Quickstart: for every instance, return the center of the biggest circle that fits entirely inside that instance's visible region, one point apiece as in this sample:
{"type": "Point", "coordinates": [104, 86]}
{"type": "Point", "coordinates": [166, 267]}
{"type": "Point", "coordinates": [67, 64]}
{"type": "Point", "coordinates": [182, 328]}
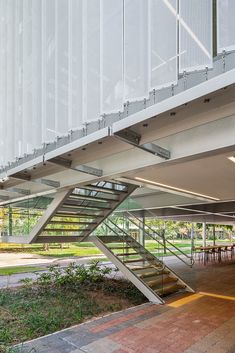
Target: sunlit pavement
{"type": "Point", "coordinates": [203, 322]}
{"type": "Point", "coordinates": [26, 259]}
{"type": "Point", "coordinates": [14, 280]}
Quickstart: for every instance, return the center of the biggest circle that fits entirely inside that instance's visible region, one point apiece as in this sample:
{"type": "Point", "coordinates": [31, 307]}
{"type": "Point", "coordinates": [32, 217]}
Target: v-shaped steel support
{"type": "Point", "coordinates": [48, 214]}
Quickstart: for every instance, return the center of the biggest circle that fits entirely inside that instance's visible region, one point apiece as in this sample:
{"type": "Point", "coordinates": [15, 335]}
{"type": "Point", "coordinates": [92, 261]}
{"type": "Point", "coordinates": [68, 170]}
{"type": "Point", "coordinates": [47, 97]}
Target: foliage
{"type": "Point", "coordinates": [73, 275]}
{"type": "Point", "coordinates": [39, 308]}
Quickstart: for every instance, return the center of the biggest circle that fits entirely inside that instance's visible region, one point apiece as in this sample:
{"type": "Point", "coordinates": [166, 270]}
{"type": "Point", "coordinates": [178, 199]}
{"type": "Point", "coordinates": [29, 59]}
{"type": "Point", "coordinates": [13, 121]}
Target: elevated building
{"type": "Point", "coordinates": [105, 99]}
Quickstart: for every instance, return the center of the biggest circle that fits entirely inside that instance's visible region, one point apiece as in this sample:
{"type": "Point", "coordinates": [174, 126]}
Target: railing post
{"type": "Point", "coordinates": [204, 234]}
{"type": "Point", "coordinates": [164, 238]}
{"type": "Point", "coordinates": [142, 231]}
{"type": "Point", "coordinates": [192, 239]}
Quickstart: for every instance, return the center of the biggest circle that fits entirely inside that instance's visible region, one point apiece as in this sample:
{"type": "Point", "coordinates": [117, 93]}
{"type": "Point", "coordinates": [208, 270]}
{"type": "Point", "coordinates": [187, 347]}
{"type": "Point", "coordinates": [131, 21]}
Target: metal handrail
{"type": "Point", "coordinates": [190, 264]}
{"type": "Point", "coordinates": [116, 233]}
{"type": "Point", "coordinates": [125, 234]}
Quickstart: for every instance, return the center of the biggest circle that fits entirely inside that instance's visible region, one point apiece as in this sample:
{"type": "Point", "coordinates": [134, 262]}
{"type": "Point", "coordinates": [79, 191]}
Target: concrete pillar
{"type": "Point", "coordinates": [10, 232]}
{"type": "Point", "coordinates": [142, 231]}
{"type": "Point", "coordinates": [204, 234]}
{"type": "Point", "coordinates": [164, 238]}
{"type": "Point", "coordinates": [192, 237]}
{"type": "Point", "coordinates": [213, 230]}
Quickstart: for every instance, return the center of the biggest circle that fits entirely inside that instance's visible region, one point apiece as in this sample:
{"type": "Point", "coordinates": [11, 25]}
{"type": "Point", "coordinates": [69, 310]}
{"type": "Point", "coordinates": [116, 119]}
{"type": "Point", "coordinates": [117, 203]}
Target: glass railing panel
{"type": "Point", "coordinates": [18, 218]}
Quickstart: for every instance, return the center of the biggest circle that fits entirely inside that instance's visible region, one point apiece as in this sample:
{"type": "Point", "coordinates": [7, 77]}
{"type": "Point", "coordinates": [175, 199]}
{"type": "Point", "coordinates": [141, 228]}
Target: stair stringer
{"type": "Point", "coordinates": [147, 291]}
{"type": "Point", "coordinates": [58, 200]}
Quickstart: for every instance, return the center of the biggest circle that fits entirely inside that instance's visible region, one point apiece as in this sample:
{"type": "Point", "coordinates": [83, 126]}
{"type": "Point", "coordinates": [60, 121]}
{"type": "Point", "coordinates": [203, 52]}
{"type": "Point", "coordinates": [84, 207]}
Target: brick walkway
{"type": "Point", "coordinates": [203, 322]}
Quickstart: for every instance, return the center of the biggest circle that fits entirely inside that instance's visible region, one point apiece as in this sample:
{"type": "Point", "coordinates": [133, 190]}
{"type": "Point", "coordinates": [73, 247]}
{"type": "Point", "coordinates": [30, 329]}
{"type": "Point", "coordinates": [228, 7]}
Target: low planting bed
{"type": "Point", "coordinates": [61, 298]}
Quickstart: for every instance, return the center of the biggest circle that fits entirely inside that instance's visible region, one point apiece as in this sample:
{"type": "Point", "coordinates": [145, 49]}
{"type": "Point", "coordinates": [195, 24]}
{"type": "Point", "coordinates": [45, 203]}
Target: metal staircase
{"type": "Point", "coordinates": [148, 273]}
{"type": "Point", "coordinates": [74, 214]}
{"type": "Point", "coordinates": [83, 210]}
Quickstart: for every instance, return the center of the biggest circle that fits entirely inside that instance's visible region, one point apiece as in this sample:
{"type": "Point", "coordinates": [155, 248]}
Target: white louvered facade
{"type": "Point", "coordinates": [65, 63]}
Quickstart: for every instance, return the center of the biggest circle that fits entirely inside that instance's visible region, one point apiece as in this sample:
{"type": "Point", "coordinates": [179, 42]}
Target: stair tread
{"type": "Point", "coordinates": [92, 198]}
{"type": "Point", "coordinates": [119, 248]}
{"type": "Point", "coordinates": [64, 230]}
{"type": "Point", "coordinates": [104, 189]}
{"type": "Point", "coordinates": [67, 204]}
{"type": "Point", "coordinates": [134, 260]}
{"type": "Point", "coordinates": [127, 254]}
{"type": "Point", "coordinates": [143, 268]}
{"type": "Point", "coordinates": [71, 223]}
{"type": "Point", "coordinates": [168, 289]}
{"type": "Point", "coordinates": [159, 280]}
{"type": "Point", "coordinates": [156, 272]}
{"type": "Point", "coordinates": [110, 239]}
{"type": "Point", "coordinates": [77, 215]}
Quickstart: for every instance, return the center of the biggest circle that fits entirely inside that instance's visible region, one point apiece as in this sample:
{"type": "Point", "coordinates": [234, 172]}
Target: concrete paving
{"type": "Point", "coordinates": [203, 322]}
{"type": "Point", "coordinates": [34, 260]}
{"type": "Point", "coordinates": [27, 259]}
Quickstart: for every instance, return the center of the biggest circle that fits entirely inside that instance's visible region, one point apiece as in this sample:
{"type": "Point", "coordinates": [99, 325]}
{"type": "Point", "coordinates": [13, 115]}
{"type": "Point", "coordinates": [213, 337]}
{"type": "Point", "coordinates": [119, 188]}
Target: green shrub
{"type": "Point", "coordinates": [73, 275]}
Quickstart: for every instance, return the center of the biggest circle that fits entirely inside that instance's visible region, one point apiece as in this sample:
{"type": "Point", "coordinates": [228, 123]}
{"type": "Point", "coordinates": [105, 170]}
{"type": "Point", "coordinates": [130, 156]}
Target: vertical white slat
{"type": "Point", "coordinates": [136, 51]}
{"type": "Point", "coordinates": [76, 62]}
{"type": "Point", "coordinates": [225, 25]}
{"type": "Point", "coordinates": [50, 69]}
{"type": "Point", "coordinates": [4, 79]}
{"type": "Point", "coordinates": [163, 43]}
{"type": "Point", "coordinates": [27, 77]}
{"type": "Point", "coordinates": [37, 73]}
{"type": "Point", "coordinates": [2, 83]}
{"type": "Point", "coordinates": [18, 121]}
{"type": "Point", "coordinates": [43, 72]}
{"type": "Point", "coordinates": [70, 61]}
{"type": "Point", "coordinates": [10, 92]}
{"type": "Point", "coordinates": [195, 42]}
{"type": "Point", "coordinates": [111, 56]}
{"type": "Point", "coordinates": [62, 67]}
{"type": "Point", "coordinates": [16, 78]}
{"type": "Point", "coordinates": [91, 60]}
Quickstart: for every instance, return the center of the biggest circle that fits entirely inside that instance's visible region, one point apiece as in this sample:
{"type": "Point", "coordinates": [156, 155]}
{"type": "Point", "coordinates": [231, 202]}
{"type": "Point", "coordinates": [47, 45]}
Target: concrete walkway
{"type": "Point", "coordinates": [27, 259]}
{"type": "Point", "coordinates": [36, 261]}
{"type": "Point", "coordinates": [203, 322]}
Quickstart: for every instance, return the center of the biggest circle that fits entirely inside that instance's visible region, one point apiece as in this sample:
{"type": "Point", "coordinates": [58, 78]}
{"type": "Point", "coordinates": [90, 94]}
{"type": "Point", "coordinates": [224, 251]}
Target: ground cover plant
{"type": "Point", "coordinates": [61, 298]}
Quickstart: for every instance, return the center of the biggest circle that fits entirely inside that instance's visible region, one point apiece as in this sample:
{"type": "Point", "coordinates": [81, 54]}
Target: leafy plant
{"type": "Point", "coordinates": [73, 275]}
{"type": "Point", "coordinates": [39, 307]}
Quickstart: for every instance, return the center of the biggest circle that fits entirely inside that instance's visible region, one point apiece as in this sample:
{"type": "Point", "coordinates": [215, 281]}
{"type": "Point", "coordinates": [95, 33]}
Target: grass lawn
{"type": "Point", "coordinates": [31, 312]}
{"type": "Point", "coordinates": [81, 249]}
{"type": "Point", "coordinates": [73, 250]}
{"type": "Point", "coordinates": [7, 271]}
{"type": "Point", "coordinates": [89, 249]}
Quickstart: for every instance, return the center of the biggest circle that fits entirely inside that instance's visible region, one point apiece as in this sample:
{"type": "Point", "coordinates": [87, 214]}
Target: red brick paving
{"type": "Point", "coordinates": [196, 323]}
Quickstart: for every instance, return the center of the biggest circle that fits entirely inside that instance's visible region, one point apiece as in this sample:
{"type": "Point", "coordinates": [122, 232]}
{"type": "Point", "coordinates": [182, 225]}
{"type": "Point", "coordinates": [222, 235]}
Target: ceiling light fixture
{"type": "Point", "coordinates": [177, 189]}
{"type": "Point", "coordinates": [232, 159]}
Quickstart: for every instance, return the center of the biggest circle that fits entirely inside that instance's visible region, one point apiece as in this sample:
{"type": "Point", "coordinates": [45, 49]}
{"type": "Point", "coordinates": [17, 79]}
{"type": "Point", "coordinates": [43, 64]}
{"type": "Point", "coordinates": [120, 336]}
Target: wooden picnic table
{"type": "Point", "coordinates": [215, 249]}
